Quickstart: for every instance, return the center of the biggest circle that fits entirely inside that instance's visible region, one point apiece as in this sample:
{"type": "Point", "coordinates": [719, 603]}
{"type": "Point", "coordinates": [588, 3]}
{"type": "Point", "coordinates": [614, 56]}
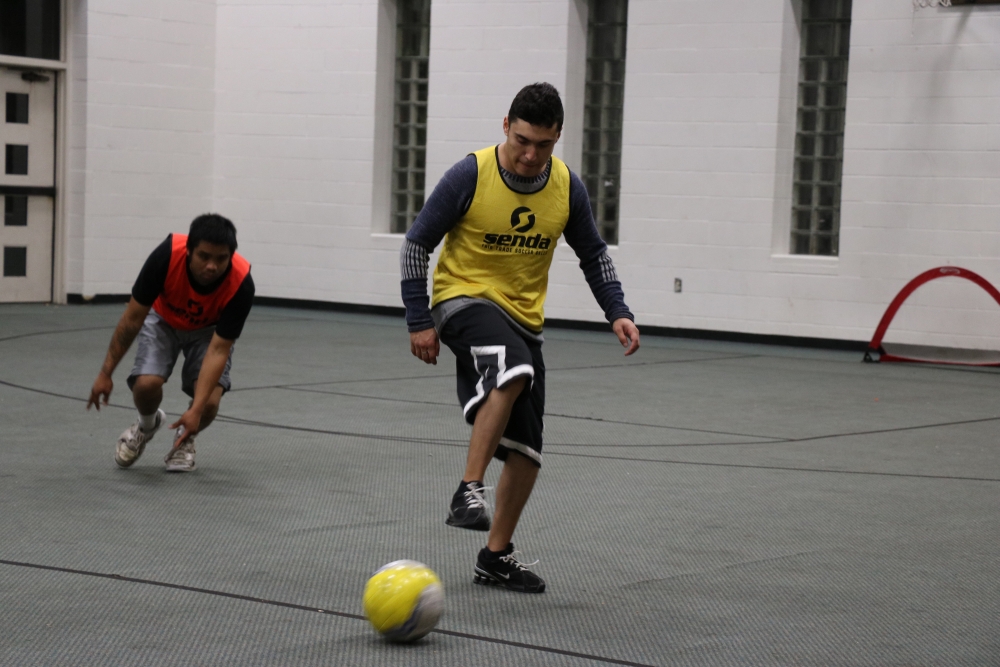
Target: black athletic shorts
{"type": "Point", "coordinates": [489, 353]}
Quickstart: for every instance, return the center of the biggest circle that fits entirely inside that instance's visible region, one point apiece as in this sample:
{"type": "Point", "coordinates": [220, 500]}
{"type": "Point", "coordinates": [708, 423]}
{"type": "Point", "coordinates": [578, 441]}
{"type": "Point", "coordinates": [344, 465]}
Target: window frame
{"type": "Point", "coordinates": [411, 69]}
{"type": "Point", "coordinates": [603, 113]}
{"type": "Point", "coordinates": [817, 170]}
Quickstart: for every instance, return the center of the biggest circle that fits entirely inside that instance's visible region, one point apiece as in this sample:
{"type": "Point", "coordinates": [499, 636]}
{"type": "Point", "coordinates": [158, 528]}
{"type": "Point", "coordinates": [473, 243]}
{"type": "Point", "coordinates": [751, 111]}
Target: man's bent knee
{"type": "Point", "coordinates": [146, 384]}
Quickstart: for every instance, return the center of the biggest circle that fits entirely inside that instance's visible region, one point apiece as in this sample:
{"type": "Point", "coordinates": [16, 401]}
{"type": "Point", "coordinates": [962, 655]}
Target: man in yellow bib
{"type": "Point", "coordinates": [501, 211]}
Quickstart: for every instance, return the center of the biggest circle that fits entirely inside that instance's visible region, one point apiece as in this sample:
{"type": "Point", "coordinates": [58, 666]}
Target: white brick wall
{"type": "Point", "coordinates": [922, 166]}
{"type": "Point", "coordinates": [294, 143]}
{"type": "Point", "coordinates": [141, 133]}
{"type": "Point", "coordinates": [265, 110]}
{"type": "Point", "coordinates": [921, 169]}
{"type": "Point", "coordinates": [75, 200]}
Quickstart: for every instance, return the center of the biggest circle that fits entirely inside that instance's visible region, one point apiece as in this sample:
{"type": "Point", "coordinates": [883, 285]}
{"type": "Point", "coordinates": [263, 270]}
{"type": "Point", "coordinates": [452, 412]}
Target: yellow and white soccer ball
{"type": "Point", "coordinates": [404, 600]}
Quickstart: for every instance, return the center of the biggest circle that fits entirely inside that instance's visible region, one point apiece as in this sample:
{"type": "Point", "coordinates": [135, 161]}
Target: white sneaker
{"type": "Point", "coordinates": [134, 439]}
{"type": "Point", "coordinates": [182, 458]}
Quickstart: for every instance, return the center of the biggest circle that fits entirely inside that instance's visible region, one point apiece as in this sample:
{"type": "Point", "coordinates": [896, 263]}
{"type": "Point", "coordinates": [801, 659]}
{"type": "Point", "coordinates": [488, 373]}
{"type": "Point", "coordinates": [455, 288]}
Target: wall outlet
{"type": "Point", "coordinates": [677, 284]}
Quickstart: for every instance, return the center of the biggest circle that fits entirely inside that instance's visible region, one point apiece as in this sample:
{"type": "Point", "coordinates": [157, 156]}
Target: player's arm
{"type": "Point", "coordinates": [229, 327]}
{"type": "Point", "coordinates": [212, 367]}
{"type": "Point", "coordinates": [581, 234]}
{"type": "Point", "coordinates": [146, 289]}
{"type": "Point", "coordinates": [449, 201]}
{"type": "Point", "coordinates": [126, 331]}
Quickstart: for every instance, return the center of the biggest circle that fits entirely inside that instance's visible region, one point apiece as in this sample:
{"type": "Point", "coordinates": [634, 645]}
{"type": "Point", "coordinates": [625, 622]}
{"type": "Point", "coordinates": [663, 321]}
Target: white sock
{"type": "Point", "coordinates": [147, 422]}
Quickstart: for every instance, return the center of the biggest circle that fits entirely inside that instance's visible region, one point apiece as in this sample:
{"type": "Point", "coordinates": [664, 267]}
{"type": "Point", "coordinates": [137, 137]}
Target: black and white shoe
{"type": "Point", "coordinates": [469, 508]}
{"type": "Point", "coordinates": [505, 570]}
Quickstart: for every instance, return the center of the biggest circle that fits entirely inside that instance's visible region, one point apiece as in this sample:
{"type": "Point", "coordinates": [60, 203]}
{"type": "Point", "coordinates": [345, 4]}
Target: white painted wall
{"type": "Point", "coordinates": [267, 111]}
{"type": "Point", "coordinates": [75, 123]}
{"type": "Point", "coordinates": [922, 167]}
{"type": "Point", "coordinates": [140, 134]}
{"type": "Point", "coordinates": [708, 133]}
{"type": "Point", "coordinates": [294, 147]}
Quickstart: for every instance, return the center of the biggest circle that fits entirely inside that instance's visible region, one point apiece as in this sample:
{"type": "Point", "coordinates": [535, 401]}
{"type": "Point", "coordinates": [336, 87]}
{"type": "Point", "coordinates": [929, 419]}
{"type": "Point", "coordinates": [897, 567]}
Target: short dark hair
{"type": "Point", "coordinates": [538, 104]}
{"type": "Point", "coordinates": [213, 228]}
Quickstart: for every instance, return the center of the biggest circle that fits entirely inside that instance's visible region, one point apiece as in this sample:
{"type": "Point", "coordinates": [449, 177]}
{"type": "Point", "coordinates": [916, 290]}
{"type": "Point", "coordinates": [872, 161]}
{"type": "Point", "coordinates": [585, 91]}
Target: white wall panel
{"type": "Point", "coordinates": [141, 134]}
{"type": "Point", "coordinates": [265, 110]}
{"type": "Point", "coordinates": [922, 155]}
{"type": "Point", "coordinates": [295, 106]}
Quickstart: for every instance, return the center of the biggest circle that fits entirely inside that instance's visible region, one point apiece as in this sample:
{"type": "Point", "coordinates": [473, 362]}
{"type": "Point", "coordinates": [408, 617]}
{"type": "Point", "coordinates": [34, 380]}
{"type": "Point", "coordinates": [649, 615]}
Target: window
{"type": "Point", "coordinates": [30, 28]}
{"type": "Point", "coordinates": [17, 108]}
{"type": "Point", "coordinates": [604, 96]}
{"type": "Point", "coordinates": [15, 211]}
{"type": "Point", "coordinates": [819, 139]}
{"type": "Point", "coordinates": [413, 35]}
{"type": "Point", "coordinates": [15, 261]}
{"type": "Point", "coordinates": [16, 159]}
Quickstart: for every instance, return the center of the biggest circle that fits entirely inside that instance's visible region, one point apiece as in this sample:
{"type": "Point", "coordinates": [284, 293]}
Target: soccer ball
{"type": "Point", "coordinates": [404, 600]}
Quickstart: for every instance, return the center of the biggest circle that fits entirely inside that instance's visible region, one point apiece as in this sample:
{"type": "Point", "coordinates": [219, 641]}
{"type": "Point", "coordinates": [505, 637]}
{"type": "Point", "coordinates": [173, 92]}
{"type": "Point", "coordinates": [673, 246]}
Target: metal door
{"type": "Point", "coordinates": [27, 183]}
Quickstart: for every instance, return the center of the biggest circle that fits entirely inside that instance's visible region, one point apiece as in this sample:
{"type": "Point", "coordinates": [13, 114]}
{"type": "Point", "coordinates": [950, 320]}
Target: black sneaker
{"type": "Point", "coordinates": [505, 570]}
{"type": "Point", "coordinates": [469, 508]}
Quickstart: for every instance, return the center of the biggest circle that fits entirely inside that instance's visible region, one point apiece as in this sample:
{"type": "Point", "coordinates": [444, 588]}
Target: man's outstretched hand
{"type": "Point", "coordinates": [628, 334]}
{"type": "Point", "coordinates": [191, 421]}
{"type": "Point", "coordinates": [101, 391]}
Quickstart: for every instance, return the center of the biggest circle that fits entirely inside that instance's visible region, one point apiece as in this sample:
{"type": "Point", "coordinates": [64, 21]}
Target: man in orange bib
{"type": "Point", "coordinates": [192, 295]}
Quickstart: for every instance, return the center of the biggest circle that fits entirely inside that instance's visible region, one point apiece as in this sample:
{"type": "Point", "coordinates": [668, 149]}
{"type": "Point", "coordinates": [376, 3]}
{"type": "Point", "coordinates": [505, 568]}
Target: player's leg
{"type": "Point", "coordinates": [493, 365]}
{"type": "Point", "coordinates": [521, 449]}
{"type": "Point", "coordinates": [516, 483]}
{"type": "Point", "coordinates": [156, 352]}
{"type": "Point", "coordinates": [195, 345]}
{"type": "Point", "coordinates": [487, 429]}
{"type": "Point", "coordinates": [147, 393]}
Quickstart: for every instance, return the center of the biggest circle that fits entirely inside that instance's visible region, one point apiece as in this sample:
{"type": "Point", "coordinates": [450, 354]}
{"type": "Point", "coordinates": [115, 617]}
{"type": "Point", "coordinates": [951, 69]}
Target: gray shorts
{"type": "Point", "coordinates": [159, 345]}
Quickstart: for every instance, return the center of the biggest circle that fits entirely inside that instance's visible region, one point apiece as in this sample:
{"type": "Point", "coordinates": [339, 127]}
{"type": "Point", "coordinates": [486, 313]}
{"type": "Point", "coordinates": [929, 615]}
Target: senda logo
{"type": "Point", "coordinates": [517, 241]}
{"type": "Point", "coordinates": [515, 219]}
{"type": "Point", "coordinates": [521, 220]}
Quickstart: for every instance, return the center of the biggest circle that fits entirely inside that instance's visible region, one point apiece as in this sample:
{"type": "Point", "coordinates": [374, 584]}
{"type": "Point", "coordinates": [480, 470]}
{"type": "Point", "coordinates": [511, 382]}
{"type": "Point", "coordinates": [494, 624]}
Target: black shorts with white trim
{"type": "Point", "coordinates": [490, 353]}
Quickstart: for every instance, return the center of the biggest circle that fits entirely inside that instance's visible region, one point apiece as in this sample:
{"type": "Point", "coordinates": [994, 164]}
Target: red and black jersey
{"type": "Point", "coordinates": [165, 284]}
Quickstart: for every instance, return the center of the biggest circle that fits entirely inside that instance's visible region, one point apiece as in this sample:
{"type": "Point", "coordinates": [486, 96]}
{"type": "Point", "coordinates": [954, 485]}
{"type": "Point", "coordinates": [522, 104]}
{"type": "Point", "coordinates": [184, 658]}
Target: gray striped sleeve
{"type": "Point", "coordinates": [608, 272]}
{"type": "Point", "coordinates": [414, 260]}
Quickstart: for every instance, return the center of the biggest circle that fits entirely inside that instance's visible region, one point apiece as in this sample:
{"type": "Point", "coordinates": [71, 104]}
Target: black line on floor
{"type": "Point", "coordinates": [347, 434]}
{"type": "Point", "coordinates": [874, 473]}
{"type": "Point", "coordinates": [768, 439]}
{"type": "Point", "coordinates": [765, 438]}
{"type": "Point", "coordinates": [51, 393]}
{"type": "Point", "coordinates": [661, 362]}
{"type": "Point", "coordinates": [315, 610]}
{"type": "Point", "coordinates": [320, 384]}
{"type": "Point", "coordinates": [896, 429]}
{"type": "Point", "coordinates": [661, 445]}
{"type": "Point", "coordinates": [296, 385]}
{"type": "Point", "coordinates": [462, 443]}
{"type": "Point", "coordinates": [449, 404]}
{"type": "Point", "coordinates": [56, 331]}
{"type": "Point", "coordinates": [266, 319]}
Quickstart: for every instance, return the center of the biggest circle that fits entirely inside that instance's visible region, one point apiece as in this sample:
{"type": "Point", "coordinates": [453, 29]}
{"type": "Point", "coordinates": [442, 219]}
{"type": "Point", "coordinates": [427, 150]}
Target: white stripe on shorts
{"type": "Point", "coordinates": [503, 375]}
{"type": "Point", "coordinates": [524, 449]}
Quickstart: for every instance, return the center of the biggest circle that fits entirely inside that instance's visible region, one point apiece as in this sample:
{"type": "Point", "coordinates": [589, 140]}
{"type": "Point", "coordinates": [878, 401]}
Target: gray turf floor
{"type": "Point", "coordinates": [701, 503]}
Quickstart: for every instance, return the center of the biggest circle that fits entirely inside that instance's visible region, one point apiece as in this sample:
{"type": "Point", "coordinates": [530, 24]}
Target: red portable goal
{"type": "Point", "coordinates": [931, 355]}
